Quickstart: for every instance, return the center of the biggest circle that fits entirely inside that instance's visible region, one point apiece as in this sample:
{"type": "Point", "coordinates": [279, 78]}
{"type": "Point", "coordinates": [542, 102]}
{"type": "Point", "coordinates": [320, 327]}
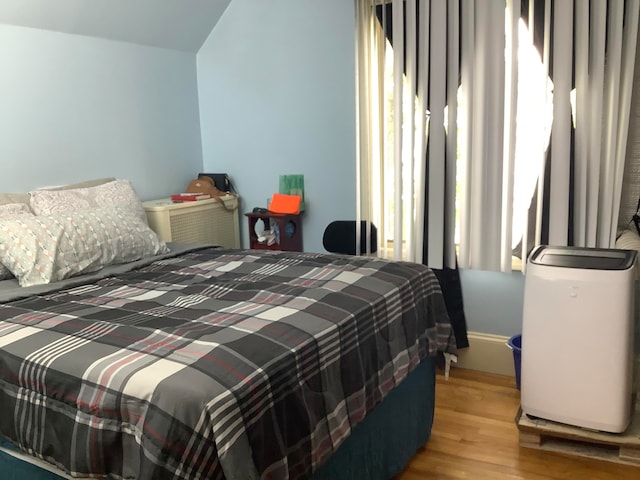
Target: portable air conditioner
{"type": "Point", "coordinates": [577, 337]}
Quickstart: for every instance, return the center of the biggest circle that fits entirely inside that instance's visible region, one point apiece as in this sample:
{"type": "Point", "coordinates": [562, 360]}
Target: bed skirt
{"type": "Point", "coordinates": [377, 449]}
{"type": "Point", "coordinates": [381, 446]}
{"type": "Point", "coordinates": [12, 468]}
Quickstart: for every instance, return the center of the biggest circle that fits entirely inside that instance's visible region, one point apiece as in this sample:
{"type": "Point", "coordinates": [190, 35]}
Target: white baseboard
{"type": "Point", "coordinates": [487, 353]}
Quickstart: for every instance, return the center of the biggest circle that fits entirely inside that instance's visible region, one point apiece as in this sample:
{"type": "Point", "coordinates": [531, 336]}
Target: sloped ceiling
{"type": "Point", "coordinates": [175, 24]}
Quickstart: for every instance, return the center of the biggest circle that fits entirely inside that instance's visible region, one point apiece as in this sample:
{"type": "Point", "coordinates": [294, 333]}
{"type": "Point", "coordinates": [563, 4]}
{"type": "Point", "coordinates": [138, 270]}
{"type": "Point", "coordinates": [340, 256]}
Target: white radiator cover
{"type": "Point", "coordinates": [201, 221]}
{"type": "Point", "coordinates": [577, 340]}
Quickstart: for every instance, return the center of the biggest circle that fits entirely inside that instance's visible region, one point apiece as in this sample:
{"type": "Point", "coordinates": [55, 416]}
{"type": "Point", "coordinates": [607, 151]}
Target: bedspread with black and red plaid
{"type": "Point", "coordinates": [214, 363]}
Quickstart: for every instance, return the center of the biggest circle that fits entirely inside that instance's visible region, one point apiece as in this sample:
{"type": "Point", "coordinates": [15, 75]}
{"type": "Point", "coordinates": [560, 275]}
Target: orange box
{"type": "Point", "coordinates": [281, 203]}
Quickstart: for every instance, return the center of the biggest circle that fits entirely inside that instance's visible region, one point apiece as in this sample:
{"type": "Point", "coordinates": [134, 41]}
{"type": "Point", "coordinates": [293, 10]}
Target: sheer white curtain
{"type": "Point", "coordinates": [422, 166]}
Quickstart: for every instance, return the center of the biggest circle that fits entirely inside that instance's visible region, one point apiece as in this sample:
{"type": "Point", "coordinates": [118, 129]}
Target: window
{"type": "Point", "coordinates": [533, 131]}
{"type": "Point", "coordinates": [535, 109]}
{"type": "Point", "coordinates": [430, 178]}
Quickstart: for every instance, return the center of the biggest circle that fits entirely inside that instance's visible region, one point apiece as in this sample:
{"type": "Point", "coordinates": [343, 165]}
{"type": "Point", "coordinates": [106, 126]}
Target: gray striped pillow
{"type": "Point", "coordinates": [46, 248]}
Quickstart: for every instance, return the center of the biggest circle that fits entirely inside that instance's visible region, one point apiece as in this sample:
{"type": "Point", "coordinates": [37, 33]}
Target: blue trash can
{"type": "Point", "coordinates": [515, 344]}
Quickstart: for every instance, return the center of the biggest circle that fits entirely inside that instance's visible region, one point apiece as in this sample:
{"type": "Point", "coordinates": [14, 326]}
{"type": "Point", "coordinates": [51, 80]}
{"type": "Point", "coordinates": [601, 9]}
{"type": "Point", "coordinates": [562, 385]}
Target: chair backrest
{"type": "Point", "coordinates": [340, 237]}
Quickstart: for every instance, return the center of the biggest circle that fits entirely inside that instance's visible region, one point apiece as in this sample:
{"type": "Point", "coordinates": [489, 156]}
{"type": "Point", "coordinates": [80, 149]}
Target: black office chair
{"type": "Point", "coordinates": [340, 237]}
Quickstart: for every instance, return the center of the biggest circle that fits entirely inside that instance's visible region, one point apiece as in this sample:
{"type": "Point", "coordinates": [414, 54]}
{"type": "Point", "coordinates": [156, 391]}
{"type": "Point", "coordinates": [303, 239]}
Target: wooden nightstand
{"type": "Point", "coordinates": [289, 231]}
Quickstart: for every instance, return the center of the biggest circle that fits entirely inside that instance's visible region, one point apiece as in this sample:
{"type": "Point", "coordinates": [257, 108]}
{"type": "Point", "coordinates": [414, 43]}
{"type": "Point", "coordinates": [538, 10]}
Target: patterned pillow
{"type": "Point", "coordinates": [47, 248]}
{"type": "Point", "coordinates": [24, 197]}
{"type": "Point", "coordinates": [13, 210]}
{"type": "Point", "coordinates": [8, 211]}
{"type": "Point", "coordinates": [118, 192]}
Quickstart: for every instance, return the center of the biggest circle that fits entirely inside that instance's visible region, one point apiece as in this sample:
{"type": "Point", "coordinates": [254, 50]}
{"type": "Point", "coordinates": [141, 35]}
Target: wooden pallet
{"type": "Point", "coordinates": [557, 437]}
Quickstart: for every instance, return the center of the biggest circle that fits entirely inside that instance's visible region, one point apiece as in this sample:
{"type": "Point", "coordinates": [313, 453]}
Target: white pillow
{"type": "Point", "coordinates": [8, 211]}
{"type": "Point", "coordinates": [47, 248]}
{"type": "Point", "coordinates": [12, 210]}
{"type": "Point", "coordinates": [118, 192]}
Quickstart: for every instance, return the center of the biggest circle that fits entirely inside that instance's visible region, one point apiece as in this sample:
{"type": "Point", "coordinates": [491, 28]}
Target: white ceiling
{"type": "Point", "coordinates": [175, 24]}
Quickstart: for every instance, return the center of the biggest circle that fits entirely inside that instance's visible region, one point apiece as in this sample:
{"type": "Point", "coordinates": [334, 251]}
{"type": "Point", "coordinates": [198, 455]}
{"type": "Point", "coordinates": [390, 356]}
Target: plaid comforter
{"type": "Point", "coordinates": [213, 364]}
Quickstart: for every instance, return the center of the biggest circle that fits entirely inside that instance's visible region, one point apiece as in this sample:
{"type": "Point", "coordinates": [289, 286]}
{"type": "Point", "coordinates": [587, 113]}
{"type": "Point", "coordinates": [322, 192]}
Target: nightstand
{"type": "Point", "coordinates": [289, 228]}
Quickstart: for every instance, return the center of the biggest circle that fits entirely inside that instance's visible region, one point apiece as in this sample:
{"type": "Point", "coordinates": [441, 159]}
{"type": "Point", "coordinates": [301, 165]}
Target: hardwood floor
{"type": "Point", "coordinates": [474, 436]}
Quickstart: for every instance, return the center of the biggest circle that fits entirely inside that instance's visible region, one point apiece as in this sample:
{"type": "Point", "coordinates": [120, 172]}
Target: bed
{"type": "Point", "coordinates": [199, 362]}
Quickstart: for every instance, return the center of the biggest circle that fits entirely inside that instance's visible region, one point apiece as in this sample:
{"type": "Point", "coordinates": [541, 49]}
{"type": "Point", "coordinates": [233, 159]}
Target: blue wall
{"type": "Point", "coordinates": [493, 301]}
{"type": "Point", "coordinates": [75, 107]}
{"type": "Point", "coordinates": [277, 96]}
